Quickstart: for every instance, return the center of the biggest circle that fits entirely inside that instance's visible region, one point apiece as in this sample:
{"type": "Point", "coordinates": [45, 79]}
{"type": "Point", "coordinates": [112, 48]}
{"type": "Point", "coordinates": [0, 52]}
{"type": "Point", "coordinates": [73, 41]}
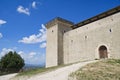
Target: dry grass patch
{"type": "Point", "coordinates": [102, 70]}
{"type": "Point", "coordinates": [30, 73]}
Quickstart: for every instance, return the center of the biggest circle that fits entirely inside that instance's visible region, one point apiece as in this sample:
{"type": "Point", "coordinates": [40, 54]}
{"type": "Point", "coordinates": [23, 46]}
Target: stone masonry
{"type": "Point", "coordinates": [94, 38]}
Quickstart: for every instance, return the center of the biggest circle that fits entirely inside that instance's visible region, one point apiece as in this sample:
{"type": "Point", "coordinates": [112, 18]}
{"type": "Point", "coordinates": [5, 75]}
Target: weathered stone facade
{"type": "Point", "coordinates": [95, 38]}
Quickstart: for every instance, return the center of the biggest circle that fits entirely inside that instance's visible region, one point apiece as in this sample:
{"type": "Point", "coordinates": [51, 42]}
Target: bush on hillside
{"type": "Point", "coordinates": [11, 62]}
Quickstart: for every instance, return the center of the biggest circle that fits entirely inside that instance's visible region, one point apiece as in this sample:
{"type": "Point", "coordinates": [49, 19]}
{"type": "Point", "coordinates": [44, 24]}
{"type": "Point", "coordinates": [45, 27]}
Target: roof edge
{"type": "Point", "coordinates": [97, 17]}
{"type": "Point", "coordinates": [56, 20]}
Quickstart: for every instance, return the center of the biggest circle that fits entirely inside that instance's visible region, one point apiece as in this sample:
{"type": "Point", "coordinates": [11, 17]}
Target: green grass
{"type": "Point", "coordinates": [33, 72]}
{"type": "Point", "coordinates": [38, 71]}
{"type": "Point", "coordinates": [102, 70]}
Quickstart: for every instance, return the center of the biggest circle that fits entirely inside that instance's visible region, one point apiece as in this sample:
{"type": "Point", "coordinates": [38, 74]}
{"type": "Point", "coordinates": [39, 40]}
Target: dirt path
{"type": "Point", "coordinates": [60, 74]}
{"type": "Point", "coordinates": [7, 77]}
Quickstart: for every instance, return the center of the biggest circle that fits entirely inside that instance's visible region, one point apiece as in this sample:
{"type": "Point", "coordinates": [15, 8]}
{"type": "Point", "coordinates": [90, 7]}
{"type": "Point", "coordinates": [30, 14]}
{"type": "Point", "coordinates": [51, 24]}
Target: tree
{"type": "Point", "coordinates": [11, 62]}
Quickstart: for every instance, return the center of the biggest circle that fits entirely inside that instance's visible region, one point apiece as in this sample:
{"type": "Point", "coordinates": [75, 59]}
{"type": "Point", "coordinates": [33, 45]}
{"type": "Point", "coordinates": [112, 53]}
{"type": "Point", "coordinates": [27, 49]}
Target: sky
{"type": "Point", "coordinates": [22, 23]}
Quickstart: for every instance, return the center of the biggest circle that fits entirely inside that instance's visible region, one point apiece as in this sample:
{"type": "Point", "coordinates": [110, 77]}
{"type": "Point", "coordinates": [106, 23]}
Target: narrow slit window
{"type": "Point", "coordinates": [71, 41]}
{"type": "Point", "coordinates": [110, 30]}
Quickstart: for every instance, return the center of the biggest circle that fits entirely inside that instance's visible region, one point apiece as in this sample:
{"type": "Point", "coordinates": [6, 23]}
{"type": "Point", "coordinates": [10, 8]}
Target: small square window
{"type": "Point", "coordinates": [85, 37]}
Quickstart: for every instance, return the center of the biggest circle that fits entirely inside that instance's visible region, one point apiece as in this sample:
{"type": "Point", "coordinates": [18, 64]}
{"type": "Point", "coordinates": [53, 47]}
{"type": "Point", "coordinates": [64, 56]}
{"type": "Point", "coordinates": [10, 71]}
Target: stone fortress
{"type": "Point", "coordinates": [94, 38]}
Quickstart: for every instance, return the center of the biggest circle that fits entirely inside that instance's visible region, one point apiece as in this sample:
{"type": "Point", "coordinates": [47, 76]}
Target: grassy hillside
{"type": "Point", "coordinates": [35, 71]}
{"type": "Point", "coordinates": [102, 70]}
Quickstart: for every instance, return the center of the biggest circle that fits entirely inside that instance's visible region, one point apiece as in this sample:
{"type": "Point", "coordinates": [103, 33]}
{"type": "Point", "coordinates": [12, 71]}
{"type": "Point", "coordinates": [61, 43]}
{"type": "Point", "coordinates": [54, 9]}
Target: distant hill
{"type": "Point", "coordinates": [32, 66]}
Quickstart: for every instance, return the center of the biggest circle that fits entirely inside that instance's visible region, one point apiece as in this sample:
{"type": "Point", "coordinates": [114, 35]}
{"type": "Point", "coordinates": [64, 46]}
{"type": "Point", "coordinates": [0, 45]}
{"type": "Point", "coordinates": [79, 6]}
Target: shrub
{"type": "Point", "coordinates": [11, 62]}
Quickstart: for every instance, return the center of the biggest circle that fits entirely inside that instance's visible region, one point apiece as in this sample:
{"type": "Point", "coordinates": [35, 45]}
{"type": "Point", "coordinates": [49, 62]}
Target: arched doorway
{"type": "Point", "coordinates": [103, 52]}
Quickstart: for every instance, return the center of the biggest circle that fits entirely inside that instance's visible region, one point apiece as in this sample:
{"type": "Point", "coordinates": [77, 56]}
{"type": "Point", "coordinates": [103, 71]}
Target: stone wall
{"type": "Point", "coordinates": [69, 43]}
{"type": "Point", "coordinates": [82, 43]}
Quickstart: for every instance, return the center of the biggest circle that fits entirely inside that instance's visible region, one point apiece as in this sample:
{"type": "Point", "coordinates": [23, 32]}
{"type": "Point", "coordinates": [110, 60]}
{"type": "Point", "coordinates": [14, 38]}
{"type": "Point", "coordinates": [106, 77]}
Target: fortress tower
{"type": "Point", "coordinates": [94, 38]}
{"type": "Point", "coordinates": [55, 31]}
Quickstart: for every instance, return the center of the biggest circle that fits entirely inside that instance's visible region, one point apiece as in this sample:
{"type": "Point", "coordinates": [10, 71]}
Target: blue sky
{"type": "Point", "coordinates": [22, 22]}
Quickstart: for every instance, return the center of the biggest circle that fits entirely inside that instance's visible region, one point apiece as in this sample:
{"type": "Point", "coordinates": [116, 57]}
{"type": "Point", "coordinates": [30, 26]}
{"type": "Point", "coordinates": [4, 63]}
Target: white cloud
{"type": "Point", "coordinates": [33, 57]}
{"type": "Point", "coordinates": [32, 54]}
{"type": "Point", "coordinates": [27, 56]}
{"type": "Point", "coordinates": [43, 45]}
{"type": "Point", "coordinates": [30, 58]}
{"type": "Point", "coordinates": [1, 35]}
{"type": "Point", "coordinates": [20, 53]}
{"type": "Point", "coordinates": [39, 38]}
{"type": "Point", "coordinates": [5, 51]}
{"type": "Point", "coordinates": [33, 4]}
{"type": "Point", "coordinates": [21, 9]}
{"type": "Point", "coordinates": [2, 22]}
